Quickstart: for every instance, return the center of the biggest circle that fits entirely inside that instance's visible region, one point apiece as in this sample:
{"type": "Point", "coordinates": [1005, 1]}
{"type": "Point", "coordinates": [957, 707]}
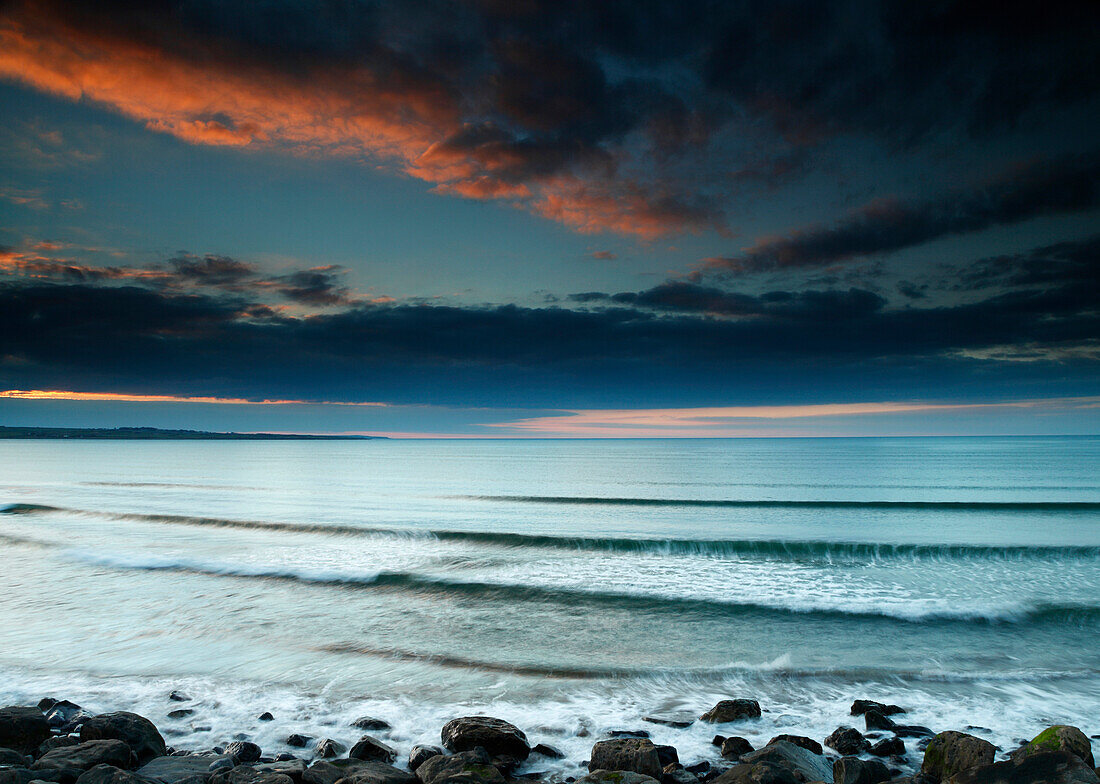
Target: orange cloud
{"type": "Point", "coordinates": [203, 94]}
{"type": "Point", "coordinates": [720, 421]}
{"type": "Point", "coordinates": [123, 397]}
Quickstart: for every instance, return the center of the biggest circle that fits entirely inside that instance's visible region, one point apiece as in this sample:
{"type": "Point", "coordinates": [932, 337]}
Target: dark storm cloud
{"type": "Point", "coordinates": [150, 340]}
{"type": "Point", "coordinates": [606, 115]}
{"type": "Point", "coordinates": [1063, 264]}
{"type": "Point", "coordinates": [211, 270]}
{"type": "Point", "coordinates": [691, 298]}
{"type": "Point", "coordinates": [1065, 185]}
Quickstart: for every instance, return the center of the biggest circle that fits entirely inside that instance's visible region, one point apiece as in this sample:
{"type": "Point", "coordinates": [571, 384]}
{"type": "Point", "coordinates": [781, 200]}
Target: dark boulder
{"type": "Point", "coordinates": [370, 749]}
{"type": "Point", "coordinates": [862, 706]}
{"type": "Point", "coordinates": [330, 748]}
{"type": "Point", "coordinates": [496, 736]}
{"type": "Point", "coordinates": [377, 773]}
{"type": "Point", "coordinates": [698, 768]}
{"type": "Point", "coordinates": [800, 761]}
{"type": "Point", "coordinates": [953, 752]}
{"type": "Point", "coordinates": [676, 774]}
{"type": "Point", "coordinates": [243, 751]}
{"type": "Point", "coordinates": [246, 775]}
{"type": "Point", "coordinates": [295, 768]}
{"type": "Point", "coordinates": [87, 755]}
{"type": "Point", "coordinates": [853, 770]}
{"type": "Point", "coordinates": [179, 696]}
{"type": "Point", "coordinates": [298, 741]}
{"type": "Point", "coordinates": [847, 741]}
{"type": "Point", "coordinates": [465, 767]}
{"type": "Point", "coordinates": [758, 773]}
{"type": "Point", "coordinates": [65, 715]}
{"type": "Point", "coordinates": [635, 754]}
{"type": "Point", "coordinates": [330, 771]}
{"type": "Point", "coordinates": [1060, 737]}
{"type": "Point", "coordinates": [371, 724]}
{"type": "Point", "coordinates": [421, 754]}
{"type": "Point", "coordinates": [107, 774]}
{"type": "Point", "coordinates": [627, 733]}
{"type": "Point", "coordinates": [22, 728]}
{"type": "Point", "coordinates": [734, 748]}
{"type": "Point", "coordinates": [26, 775]}
{"type": "Point", "coordinates": [878, 721]}
{"type": "Point", "coordinates": [56, 742]}
{"type": "Point", "coordinates": [548, 751]}
{"type": "Point", "coordinates": [135, 731]}
{"type": "Point", "coordinates": [799, 740]}
{"type": "Point", "coordinates": [670, 721]}
{"type": "Point", "coordinates": [172, 770]}
{"type": "Point", "coordinates": [266, 716]}
{"type": "Point", "coordinates": [888, 747]}
{"type": "Point", "coordinates": [616, 777]}
{"type": "Point", "coordinates": [732, 710]}
{"type": "Point", "coordinates": [12, 758]}
{"type": "Point", "coordinates": [1051, 767]}
{"type": "Point", "coordinates": [667, 755]}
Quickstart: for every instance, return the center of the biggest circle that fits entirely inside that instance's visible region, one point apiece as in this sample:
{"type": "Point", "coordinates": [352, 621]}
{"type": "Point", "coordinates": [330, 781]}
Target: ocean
{"type": "Point", "coordinates": [568, 586]}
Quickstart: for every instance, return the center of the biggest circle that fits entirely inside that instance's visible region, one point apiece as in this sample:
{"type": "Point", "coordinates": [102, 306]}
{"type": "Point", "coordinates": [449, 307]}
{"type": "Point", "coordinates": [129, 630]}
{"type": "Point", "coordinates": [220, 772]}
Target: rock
{"type": "Point", "coordinates": [698, 768]}
{"type": "Point", "coordinates": [732, 710]}
{"type": "Point", "coordinates": [370, 723]}
{"type": "Point", "coordinates": [734, 748]}
{"type": "Point", "coordinates": [421, 754]}
{"type": "Point", "coordinates": [106, 774]}
{"type": "Point", "coordinates": [667, 755]}
{"type": "Point", "coordinates": [13, 758]}
{"type": "Point", "coordinates": [757, 773]}
{"type": "Point", "coordinates": [800, 761]}
{"type": "Point", "coordinates": [298, 741]}
{"type": "Point", "coordinates": [912, 731]}
{"type": "Point", "coordinates": [1051, 767]}
{"type": "Point", "coordinates": [847, 741]}
{"type": "Point", "coordinates": [330, 748]}
{"type": "Point", "coordinates": [877, 721]}
{"type": "Point", "coordinates": [266, 716]}
{"type": "Point", "coordinates": [56, 742]}
{"type": "Point", "coordinates": [220, 764]}
{"type": "Point", "coordinates": [179, 696]}
{"type": "Point", "coordinates": [670, 721]}
{"type": "Point", "coordinates": [26, 775]}
{"type": "Point", "coordinates": [634, 754]}
{"type": "Point", "coordinates": [368, 748]}
{"type": "Point", "coordinates": [325, 772]}
{"type": "Point", "coordinates": [853, 770]}
{"type": "Point", "coordinates": [718, 740]}
{"type": "Point", "coordinates": [135, 731]}
{"type": "Point", "coordinates": [675, 774]}
{"type": "Point", "coordinates": [171, 770]}
{"type": "Point", "coordinates": [243, 751]}
{"type": "Point", "coordinates": [284, 756]}
{"type": "Point", "coordinates": [627, 733]}
{"type": "Point", "coordinates": [953, 752]}
{"type": "Point", "coordinates": [616, 777]}
{"type": "Point", "coordinates": [377, 773]}
{"type": "Point", "coordinates": [87, 755]}
{"type": "Point", "coordinates": [22, 728]}
{"type": "Point", "coordinates": [496, 736]}
{"type": "Point", "coordinates": [65, 714]}
{"type": "Point", "coordinates": [465, 767]}
{"type": "Point", "coordinates": [1060, 737]}
{"type": "Point", "coordinates": [799, 740]}
{"type": "Point", "coordinates": [246, 775]}
{"type": "Point", "coordinates": [294, 768]}
{"type": "Point", "coordinates": [548, 751]}
{"type": "Point", "coordinates": [181, 713]}
{"type": "Point", "coordinates": [862, 706]}
{"type": "Point", "coordinates": [888, 747]}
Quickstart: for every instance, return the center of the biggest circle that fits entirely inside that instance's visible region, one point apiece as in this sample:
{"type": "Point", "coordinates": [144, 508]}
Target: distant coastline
{"type": "Point", "coordinates": [158, 434]}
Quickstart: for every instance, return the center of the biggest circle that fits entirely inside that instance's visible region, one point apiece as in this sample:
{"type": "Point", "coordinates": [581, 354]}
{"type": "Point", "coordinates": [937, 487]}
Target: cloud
{"type": "Point", "coordinates": [123, 397]}
{"type": "Point", "coordinates": [692, 298]}
{"type": "Point", "coordinates": [1049, 187]}
{"type": "Point", "coordinates": [1074, 263]}
{"type": "Point", "coordinates": [602, 255]}
{"type": "Point", "coordinates": [722, 421]}
{"type": "Point", "coordinates": [605, 115]}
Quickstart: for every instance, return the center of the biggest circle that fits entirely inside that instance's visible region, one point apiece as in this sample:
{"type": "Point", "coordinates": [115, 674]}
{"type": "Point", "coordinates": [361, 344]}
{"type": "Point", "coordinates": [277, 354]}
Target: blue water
{"type": "Point", "coordinates": [560, 584]}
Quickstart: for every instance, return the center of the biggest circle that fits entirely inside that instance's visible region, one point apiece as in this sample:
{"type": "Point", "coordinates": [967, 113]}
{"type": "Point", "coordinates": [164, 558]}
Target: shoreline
{"type": "Point", "coordinates": [873, 742]}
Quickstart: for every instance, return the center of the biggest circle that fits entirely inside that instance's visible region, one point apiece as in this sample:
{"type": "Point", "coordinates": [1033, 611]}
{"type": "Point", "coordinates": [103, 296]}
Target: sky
{"type": "Point", "coordinates": [570, 218]}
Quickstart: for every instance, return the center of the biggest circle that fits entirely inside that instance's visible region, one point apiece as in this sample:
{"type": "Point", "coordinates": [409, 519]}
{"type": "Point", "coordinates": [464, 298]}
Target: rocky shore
{"type": "Point", "coordinates": [58, 742]}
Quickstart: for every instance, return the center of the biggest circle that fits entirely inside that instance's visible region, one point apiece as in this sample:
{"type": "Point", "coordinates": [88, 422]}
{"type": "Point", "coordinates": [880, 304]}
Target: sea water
{"type": "Point", "coordinates": [569, 586]}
